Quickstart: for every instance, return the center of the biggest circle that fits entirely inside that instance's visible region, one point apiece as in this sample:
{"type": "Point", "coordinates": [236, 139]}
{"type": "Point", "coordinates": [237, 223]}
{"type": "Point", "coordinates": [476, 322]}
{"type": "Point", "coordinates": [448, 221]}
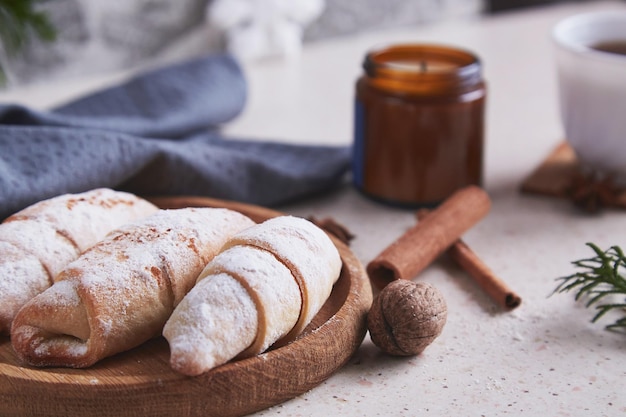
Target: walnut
{"type": "Point", "coordinates": [406, 317]}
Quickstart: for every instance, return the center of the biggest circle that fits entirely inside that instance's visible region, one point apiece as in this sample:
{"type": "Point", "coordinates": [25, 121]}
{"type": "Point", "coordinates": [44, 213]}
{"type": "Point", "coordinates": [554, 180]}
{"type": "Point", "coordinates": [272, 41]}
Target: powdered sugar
{"type": "Point", "coordinates": [216, 321]}
{"type": "Point", "coordinates": [130, 281]}
{"type": "Point", "coordinates": [23, 277]}
{"type": "Point", "coordinates": [278, 264]}
{"type": "Point", "coordinates": [40, 239]}
{"type": "Point", "coordinates": [54, 232]}
{"type": "Point", "coordinates": [70, 347]}
{"type": "Point", "coordinates": [86, 218]}
{"type": "Point", "coordinates": [271, 285]}
{"type": "Point", "coordinates": [306, 250]}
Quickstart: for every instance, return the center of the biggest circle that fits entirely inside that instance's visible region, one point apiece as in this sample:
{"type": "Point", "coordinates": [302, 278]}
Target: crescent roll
{"type": "Point", "coordinates": [120, 292]}
{"type": "Point", "coordinates": [265, 286]}
{"type": "Point", "coordinates": [39, 241]}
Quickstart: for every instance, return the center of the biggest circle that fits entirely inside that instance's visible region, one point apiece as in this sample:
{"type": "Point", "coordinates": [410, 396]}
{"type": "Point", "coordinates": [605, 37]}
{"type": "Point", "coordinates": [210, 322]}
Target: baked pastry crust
{"type": "Point", "coordinates": [120, 292]}
{"type": "Point", "coordinates": [37, 242]}
{"type": "Point", "coordinates": [286, 266]}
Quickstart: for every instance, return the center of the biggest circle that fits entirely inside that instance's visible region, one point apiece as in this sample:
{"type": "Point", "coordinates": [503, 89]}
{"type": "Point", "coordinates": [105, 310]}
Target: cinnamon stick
{"type": "Point", "coordinates": [497, 289]}
{"type": "Point", "coordinates": [420, 245]}
{"type": "Point", "coordinates": [484, 277]}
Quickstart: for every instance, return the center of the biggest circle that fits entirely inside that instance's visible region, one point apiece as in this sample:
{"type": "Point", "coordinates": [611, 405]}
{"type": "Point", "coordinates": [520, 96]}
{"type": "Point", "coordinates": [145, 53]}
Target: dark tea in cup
{"type": "Point", "coordinates": [614, 47]}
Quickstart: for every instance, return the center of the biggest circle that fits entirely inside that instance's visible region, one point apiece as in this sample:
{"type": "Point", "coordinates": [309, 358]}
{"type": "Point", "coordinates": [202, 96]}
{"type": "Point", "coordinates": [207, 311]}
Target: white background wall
{"type": "Point", "coordinates": [96, 36]}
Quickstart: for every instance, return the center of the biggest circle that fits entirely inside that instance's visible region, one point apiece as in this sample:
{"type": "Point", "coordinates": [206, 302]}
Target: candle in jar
{"type": "Point", "coordinates": [418, 124]}
{"type": "Point", "coordinates": [423, 65]}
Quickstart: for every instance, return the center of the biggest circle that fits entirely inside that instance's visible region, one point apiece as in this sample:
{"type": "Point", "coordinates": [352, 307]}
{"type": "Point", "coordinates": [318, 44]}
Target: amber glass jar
{"type": "Point", "coordinates": [419, 122]}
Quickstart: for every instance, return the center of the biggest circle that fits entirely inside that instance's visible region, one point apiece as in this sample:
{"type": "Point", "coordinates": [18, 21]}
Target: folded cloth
{"type": "Point", "coordinates": [157, 134]}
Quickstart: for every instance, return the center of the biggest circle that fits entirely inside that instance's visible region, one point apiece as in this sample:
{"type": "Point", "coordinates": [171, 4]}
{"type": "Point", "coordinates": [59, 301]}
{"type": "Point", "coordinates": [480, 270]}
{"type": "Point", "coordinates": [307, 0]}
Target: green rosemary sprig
{"type": "Point", "coordinates": [599, 277]}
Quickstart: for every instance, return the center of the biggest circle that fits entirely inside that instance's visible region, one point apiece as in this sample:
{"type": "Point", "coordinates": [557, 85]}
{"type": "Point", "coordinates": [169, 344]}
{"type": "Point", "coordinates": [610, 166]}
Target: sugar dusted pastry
{"type": "Point", "coordinates": [120, 292]}
{"type": "Point", "coordinates": [265, 286]}
{"type": "Point", "coordinates": [39, 241]}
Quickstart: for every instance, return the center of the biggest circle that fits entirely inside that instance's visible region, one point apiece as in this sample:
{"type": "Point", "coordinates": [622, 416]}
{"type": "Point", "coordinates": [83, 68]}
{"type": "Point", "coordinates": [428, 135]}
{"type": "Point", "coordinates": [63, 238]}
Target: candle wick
{"type": "Point", "coordinates": [423, 65]}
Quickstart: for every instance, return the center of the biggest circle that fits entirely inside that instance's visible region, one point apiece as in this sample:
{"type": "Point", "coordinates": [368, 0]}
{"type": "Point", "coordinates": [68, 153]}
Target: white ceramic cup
{"type": "Point", "coordinates": [592, 87]}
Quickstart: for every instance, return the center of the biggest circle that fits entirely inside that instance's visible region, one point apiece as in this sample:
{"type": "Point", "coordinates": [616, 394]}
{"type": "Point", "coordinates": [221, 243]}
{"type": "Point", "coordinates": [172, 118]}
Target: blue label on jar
{"type": "Point", "coordinates": [358, 147]}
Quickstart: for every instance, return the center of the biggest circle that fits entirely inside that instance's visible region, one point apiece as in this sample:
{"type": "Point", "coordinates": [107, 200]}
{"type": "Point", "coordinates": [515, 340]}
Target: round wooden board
{"type": "Point", "coordinates": [140, 382]}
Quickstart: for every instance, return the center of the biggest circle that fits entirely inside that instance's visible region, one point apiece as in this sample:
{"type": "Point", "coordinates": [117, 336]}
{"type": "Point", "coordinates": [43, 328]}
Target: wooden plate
{"type": "Point", "coordinates": [140, 382]}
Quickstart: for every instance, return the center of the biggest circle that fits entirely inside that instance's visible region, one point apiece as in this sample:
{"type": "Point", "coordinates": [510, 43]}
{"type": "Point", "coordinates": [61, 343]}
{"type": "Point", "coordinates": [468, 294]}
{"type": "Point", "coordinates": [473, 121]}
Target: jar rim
{"type": "Point", "coordinates": [401, 60]}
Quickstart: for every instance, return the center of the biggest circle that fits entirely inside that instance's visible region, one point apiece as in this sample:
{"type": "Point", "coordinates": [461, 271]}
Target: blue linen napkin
{"type": "Point", "coordinates": [157, 134]}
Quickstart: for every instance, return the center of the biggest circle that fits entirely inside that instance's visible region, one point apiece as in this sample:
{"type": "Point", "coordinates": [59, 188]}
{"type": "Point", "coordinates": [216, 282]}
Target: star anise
{"type": "Point", "coordinates": [593, 193]}
{"type": "Point", "coordinates": [333, 227]}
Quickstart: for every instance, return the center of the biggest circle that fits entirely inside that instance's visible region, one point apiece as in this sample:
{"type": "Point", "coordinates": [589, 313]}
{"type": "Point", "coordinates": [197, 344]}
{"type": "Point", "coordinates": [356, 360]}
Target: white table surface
{"type": "Point", "coordinates": [544, 358]}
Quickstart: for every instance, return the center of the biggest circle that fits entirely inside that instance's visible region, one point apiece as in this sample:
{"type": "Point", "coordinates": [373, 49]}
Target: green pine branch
{"type": "Point", "coordinates": [599, 280]}
{"type": "Point", "coordinates": [20, 23]}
